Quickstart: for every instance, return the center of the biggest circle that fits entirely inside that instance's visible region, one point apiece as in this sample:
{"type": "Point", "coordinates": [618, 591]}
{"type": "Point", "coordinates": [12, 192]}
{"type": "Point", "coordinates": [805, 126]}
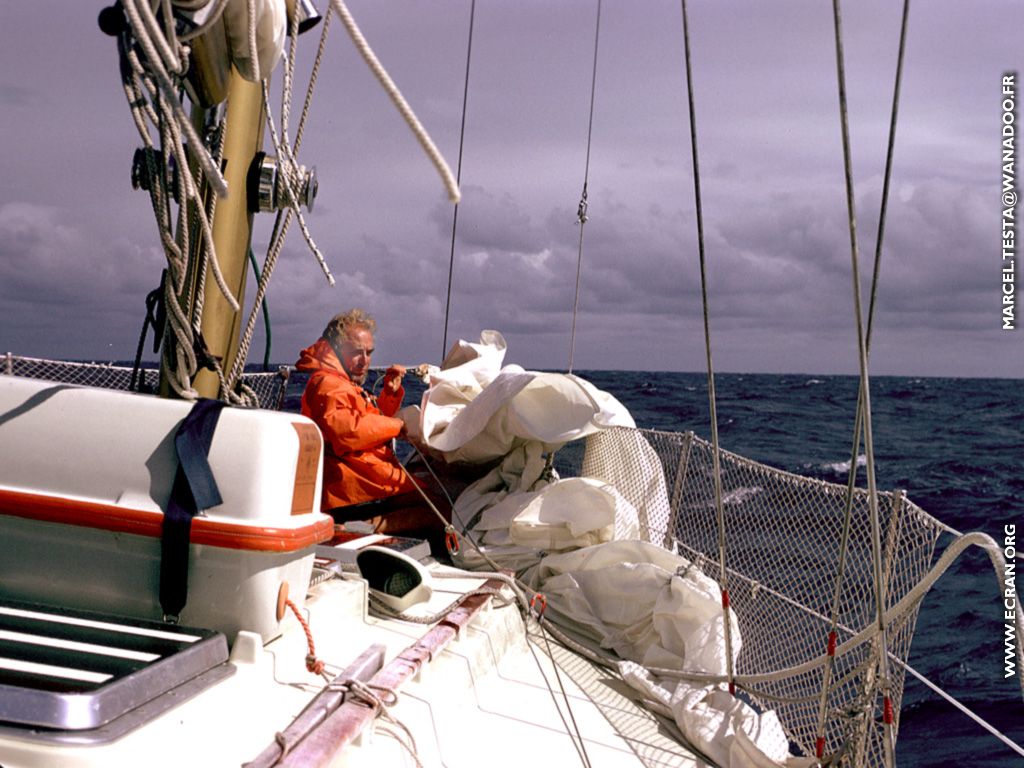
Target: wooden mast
{"type": "Point", "coordinates": [232, 228]}
{"type": "Point", "coordinates": [212, 80]}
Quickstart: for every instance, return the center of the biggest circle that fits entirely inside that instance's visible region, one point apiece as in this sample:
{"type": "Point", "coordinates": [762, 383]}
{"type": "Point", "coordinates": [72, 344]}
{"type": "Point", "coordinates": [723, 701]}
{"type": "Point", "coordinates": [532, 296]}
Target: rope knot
{"type": "Point", "coordinates": [377, 697]}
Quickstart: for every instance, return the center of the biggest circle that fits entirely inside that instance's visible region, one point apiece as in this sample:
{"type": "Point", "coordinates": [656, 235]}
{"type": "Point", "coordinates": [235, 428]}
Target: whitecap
{"type": "Point", "coordinates": [740, 495]}
{"type": "Point", "coordinates": [844, 466]}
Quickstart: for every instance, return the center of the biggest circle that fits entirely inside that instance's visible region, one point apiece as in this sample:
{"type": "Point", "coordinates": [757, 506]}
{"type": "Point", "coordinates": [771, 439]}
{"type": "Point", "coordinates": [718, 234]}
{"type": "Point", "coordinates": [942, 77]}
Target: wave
{"type": "Point", "coordinates": [740, 495]}
{"type": "Point", "coordinates": [840, 467]}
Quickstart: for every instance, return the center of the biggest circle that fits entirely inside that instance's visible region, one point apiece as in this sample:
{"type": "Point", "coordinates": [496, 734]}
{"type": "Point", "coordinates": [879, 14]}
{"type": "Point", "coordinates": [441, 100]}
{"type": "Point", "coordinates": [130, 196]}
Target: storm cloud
{"type": "Point", "coordinates": [79, 250]}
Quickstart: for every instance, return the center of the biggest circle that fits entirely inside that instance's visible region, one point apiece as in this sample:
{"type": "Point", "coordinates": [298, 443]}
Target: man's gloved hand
{"type": "Point", "coordinates": [393, 378]}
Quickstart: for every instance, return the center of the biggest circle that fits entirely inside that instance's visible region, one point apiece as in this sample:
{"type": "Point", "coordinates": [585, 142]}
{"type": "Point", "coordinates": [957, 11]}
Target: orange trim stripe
{"type": "Point", "coordinates": [205, 530]}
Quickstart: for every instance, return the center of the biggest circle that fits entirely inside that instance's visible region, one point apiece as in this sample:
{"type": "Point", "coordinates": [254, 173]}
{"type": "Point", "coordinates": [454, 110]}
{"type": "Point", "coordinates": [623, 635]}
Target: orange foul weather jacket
{"type": "Point", "coordinates": [359, 464]}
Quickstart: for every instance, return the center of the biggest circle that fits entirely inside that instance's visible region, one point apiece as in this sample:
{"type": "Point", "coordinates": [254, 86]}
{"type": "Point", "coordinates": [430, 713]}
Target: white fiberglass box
{"type": "Point", "coordinates": [85, 478]}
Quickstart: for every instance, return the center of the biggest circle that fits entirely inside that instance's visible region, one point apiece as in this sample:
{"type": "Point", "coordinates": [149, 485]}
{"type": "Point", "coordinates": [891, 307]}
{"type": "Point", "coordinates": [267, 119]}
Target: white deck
{"type": "Point", "coordinates": [484, 699]}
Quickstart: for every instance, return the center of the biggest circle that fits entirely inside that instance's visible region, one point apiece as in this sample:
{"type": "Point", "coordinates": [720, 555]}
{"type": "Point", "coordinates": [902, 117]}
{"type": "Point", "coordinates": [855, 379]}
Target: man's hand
{"type": "Point", "coordinates": [393, 378]}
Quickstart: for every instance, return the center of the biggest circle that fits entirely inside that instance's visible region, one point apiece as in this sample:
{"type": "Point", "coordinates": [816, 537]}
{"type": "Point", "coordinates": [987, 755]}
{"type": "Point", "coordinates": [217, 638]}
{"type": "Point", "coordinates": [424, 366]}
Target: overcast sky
{"type": "Point", "coordinates": [79, 250]}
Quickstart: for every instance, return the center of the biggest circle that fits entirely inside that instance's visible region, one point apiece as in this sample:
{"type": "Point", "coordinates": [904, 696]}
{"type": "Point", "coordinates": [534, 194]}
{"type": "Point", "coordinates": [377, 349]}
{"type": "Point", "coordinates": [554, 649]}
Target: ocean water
{"type": "Point", "coordinates": [954, 445]}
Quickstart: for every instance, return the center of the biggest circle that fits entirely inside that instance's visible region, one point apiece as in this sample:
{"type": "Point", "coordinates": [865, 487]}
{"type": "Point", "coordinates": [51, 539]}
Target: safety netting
{"type": "Point", "coordinates": [269, 387]}
{"type": "Point", "coordinates": [783, 548]}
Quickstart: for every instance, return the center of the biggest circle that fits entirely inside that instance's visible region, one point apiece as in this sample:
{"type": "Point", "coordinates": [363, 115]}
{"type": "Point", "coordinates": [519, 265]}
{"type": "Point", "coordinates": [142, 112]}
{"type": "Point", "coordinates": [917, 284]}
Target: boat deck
{"type": "Point", "coordinates": [491, 679]}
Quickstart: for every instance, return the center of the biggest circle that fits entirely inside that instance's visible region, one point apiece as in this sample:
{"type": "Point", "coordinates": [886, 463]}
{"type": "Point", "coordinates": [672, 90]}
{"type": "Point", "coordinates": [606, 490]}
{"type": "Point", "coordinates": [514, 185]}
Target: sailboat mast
{"type": "Point", "coordinates": [232, 228]}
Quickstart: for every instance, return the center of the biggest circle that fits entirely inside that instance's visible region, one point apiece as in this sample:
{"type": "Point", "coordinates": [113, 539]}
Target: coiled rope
{"type": "Point", "coordinates": [154, 61]}
{"type": "Point", "coordinates": [164, 58]}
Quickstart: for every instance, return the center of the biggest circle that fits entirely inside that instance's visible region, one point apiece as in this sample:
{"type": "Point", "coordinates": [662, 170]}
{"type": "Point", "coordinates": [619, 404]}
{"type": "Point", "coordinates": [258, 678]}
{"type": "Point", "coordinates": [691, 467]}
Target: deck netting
{"type": "Point", "coordinates": [783, 539]}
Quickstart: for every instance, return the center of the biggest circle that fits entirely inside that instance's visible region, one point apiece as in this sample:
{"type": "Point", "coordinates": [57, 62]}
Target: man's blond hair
{"type": "Point", "coordinates": [343, 323]}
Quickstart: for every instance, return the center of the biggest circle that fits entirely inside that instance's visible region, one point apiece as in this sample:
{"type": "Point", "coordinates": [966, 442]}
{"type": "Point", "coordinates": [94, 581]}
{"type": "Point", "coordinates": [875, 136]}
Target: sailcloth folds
{"type": "Point", "coordinates": [586, 544]}
{"type": "Point", "coordinates": [266, 28]}
{"type": "Point", "coordinates": [476, 410]}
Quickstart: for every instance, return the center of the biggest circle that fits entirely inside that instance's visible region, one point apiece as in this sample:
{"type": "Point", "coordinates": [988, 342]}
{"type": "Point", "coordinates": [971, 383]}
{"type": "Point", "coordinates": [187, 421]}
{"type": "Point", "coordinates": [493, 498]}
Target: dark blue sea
{"type": "Point", "coordinates": [954, 445]}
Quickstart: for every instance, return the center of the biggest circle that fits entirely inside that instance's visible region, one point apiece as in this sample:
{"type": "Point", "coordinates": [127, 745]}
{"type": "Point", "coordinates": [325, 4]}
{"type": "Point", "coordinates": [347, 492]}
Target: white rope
{"type": "Point", "coordinates": [167, 88]}
{"type": "Point", "coordinates": [169, 108]}
{"type": "Point", "coordinates": [288, 173]}
{"type": "Point", "coordinates": [314, 73]}
{"type": "Point", "coordinates": [151, 83]}
{"type": "Point", "coordinates": [289, 69]}
{"type": "Point", "coordinates": [398, 100]}
{"type": "Point", "coordinates": [139, 107]}
{"type": "Point", "coordinates": [290, 176]}
{"type": "Point", "coordinates": [253, 49]}
{"type": "Point", "coordinates": [151, 87]}
{"type": "Point", "coordinates": [178, 324]}
{"type": "Point", "coordinates": [157, 36]}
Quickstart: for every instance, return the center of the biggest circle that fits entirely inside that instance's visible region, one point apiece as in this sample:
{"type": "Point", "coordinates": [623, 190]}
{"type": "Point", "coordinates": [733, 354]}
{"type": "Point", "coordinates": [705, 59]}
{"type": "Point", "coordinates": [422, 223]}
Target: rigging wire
{"type": "Point", "coordinates": [572, 731]}
{"type": "Point", "coordinates": [520, 589]}
{"type": "Point", "coordinates": [458, 179]}
{"type": "Point", "coordinates": [965, 709]}
{"type": "Point", "coordinates": [723, 577]}
{"type": "Point", "coordinates": [581, 211]}
{"type": "Point", "coordinates": [858, 424]}
{"type": "Point", "coordinates": [876, 543]}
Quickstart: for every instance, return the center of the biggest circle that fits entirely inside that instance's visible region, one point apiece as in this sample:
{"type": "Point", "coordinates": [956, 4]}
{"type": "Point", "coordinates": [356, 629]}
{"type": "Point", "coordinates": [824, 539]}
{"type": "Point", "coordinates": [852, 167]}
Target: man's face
{"type": "Point", "coordinates": [356, 350]}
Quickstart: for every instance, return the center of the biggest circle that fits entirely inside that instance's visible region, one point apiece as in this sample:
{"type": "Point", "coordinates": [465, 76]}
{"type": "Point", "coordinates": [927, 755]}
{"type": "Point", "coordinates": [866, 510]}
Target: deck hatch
{"type": "Point", "coordinates": [77, 670]}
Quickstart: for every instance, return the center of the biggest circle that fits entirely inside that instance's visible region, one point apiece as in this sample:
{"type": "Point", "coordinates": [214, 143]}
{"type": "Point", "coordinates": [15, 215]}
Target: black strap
{"type": "Point", "coordinates": [194, 489]}
{"type": "Point", "coordinates": [156, 318]}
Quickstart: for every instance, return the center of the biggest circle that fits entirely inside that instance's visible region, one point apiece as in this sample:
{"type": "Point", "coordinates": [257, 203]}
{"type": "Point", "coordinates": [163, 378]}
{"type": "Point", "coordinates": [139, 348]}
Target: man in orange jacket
{"type": "Point", "coordinates": [359, 463]}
